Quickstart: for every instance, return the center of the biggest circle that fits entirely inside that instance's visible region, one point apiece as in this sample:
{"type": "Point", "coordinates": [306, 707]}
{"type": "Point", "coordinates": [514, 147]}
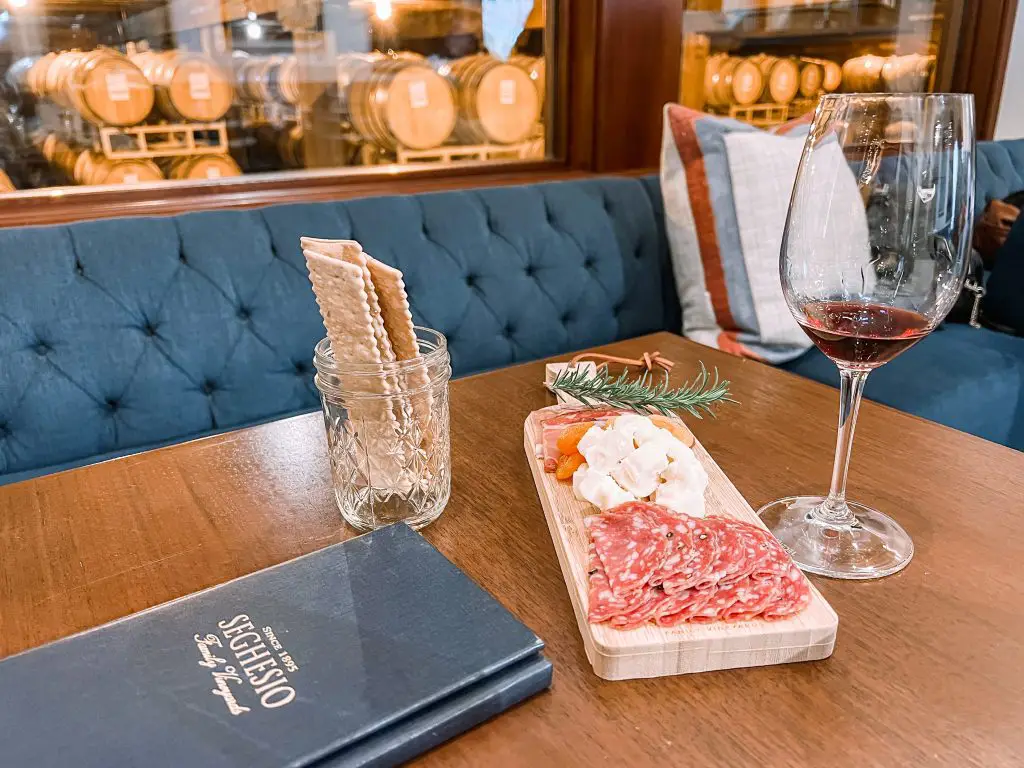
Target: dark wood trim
{"type": "Point", "coordinates": [639, 50]}
{"type": "Point", "coordinates": [45, 207]}
{"type": "Point", "coordinates": [983, 50]}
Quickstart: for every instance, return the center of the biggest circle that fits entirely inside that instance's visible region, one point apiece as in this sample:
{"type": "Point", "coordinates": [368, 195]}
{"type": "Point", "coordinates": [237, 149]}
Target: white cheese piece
{"type": "Point", "coordinates": [686, 469]}
{"type": "Point", "coordinates": [598, 488]}
{"type": "Point", "coordinates": [639, 472]}
{"type": "Point", "coordinates": [686, 500]}
{"type": "Point", "coordinates": [604, 448]}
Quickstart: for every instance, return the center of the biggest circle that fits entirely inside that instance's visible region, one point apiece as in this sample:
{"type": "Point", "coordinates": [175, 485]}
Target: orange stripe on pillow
{"type": "Point", "coordinates": [727, 342]}
{"type": "Point", "coordinates": [683, 123]}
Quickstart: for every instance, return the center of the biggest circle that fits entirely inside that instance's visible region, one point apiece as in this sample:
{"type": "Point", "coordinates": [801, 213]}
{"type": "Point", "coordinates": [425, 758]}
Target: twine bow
{"type": "Point", "coordinates": [649, 360]}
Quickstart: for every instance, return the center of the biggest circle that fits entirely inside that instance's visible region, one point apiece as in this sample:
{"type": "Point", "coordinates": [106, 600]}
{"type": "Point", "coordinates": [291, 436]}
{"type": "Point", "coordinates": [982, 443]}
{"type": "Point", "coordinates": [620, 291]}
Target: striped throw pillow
{"type": "Point", "coordinates": [726, 187]}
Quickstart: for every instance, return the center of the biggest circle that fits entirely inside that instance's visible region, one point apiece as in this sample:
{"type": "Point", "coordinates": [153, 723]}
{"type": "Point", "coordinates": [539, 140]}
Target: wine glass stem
{"type": "Point", "coordinates": [835, 509]}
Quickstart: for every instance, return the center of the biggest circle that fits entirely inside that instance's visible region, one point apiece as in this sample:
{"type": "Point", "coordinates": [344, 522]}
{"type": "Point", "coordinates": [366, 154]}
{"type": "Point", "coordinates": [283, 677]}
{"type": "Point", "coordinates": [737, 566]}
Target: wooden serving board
{"type": "Point", "coordinates": [652, 651]}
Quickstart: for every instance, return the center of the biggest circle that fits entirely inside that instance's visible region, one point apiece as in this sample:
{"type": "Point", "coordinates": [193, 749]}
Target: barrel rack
{"type": "Point", "coordinates": [165, 140]}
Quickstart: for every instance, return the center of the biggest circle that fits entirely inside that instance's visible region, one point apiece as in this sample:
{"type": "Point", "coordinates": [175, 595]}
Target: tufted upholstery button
{"type": "Point", "coordinates": [79, 269]}
{"type": "Point", "coordinates": [566, 318]}
{"type": "Point", "coordinates": [588, 263]}
{"type": "Point", "coordinates": [207, 387]}
{"type": "Point", "coordinates": [471, 280]}
{"type": "Point", "coordinates": [530, 270]}
{"type": "Point", "coordinates": [638, 253]}
{"type": "Point", "coordinates": [113, 404]}
{"type": "Point", "coordinates": [181, 258]}
{"type": "Point", "coordinates": [301, 368]}
{"type": "Point", "coordinates": [42, 349]}
{"type": "Point", "coordinates": [5, 431]}
{"type": "Point", "coordinates": [244, 313]}
{"type": "Point", "coordinates": [149, 329]}
{"type": "Point", "coordinates": [509, 329]}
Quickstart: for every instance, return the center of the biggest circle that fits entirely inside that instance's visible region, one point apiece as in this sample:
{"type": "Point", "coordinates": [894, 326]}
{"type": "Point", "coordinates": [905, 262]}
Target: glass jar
{"type": "Point", "coordinates": [387, 434]}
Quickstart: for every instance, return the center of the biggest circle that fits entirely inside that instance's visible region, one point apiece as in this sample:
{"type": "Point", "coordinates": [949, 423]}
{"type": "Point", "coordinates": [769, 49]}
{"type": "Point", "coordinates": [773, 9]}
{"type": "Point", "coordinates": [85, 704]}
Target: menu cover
{"type": "Point", "coordinates": [364, 653]}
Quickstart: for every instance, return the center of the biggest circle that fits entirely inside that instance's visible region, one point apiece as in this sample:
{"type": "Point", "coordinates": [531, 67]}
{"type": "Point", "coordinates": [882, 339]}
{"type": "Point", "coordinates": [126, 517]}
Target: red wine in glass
{"type": "Point", "coordinates": [859, 335]}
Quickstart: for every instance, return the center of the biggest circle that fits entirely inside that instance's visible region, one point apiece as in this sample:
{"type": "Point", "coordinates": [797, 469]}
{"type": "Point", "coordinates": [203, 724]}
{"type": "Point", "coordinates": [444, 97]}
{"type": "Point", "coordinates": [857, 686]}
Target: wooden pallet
{"type": "Point", "coordinates": [164, 140]}
{"type": "Point", "coordinates": [769, 114]}
{"type": "Point", "coordinates": [450, 153]}
{"type": "Point", "coordinates": [652, 651]}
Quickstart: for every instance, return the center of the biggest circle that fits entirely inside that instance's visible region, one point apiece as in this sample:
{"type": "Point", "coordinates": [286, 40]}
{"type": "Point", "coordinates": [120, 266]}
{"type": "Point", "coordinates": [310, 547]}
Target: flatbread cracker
{"type": "Point", "coordinates": [397, 316]}
{"type": "Point", "coordinates": [340, 293]}
{"type": "Point", "coordinates": [352, 252]}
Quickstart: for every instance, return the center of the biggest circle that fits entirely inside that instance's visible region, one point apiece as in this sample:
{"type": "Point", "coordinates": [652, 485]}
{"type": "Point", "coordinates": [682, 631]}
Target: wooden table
{"type": "Point", "coordinates": [929, 664]}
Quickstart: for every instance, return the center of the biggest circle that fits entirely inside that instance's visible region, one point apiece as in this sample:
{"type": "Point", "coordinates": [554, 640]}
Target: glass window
{"type": "Point", "coordinates": [101, 92]}
{"type": "Point", "coordinates": [766, 62]}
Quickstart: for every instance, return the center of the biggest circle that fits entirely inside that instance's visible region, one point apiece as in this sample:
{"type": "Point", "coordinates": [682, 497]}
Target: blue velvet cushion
{"type": "Point", "coordinates": [966, 378]}
{"type": "Point", "coordinates": [123, 334]}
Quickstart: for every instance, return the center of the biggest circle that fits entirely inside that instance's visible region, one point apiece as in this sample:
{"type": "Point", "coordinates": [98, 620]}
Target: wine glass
{"type": "Point", "coordinates": [874, 255]}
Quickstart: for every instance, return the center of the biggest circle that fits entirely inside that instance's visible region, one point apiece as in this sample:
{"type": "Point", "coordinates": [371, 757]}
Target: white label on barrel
{"type": "Point", "coordinates": [199, 86]}
{"type": "Point", "coordinates": [117, 87]}
{"type": "Point", "coordinates": [507, 92]}
{"type": "Point", "coordinates": [131, 178]}
{"type": "Point", "coordinates": [418, 94]}
{"type": "Point", "coordinates": [213, 173]}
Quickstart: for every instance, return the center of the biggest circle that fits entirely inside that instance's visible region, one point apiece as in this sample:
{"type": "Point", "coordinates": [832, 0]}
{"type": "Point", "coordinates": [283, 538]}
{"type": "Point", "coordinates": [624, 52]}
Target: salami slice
{"type": "Point", "coordinates": [751, 595]}
{"type": "Point", "coordinates": [795, 596]}
{"type": "Point", "coordinates": [677, 609]}
{"type": "Point", "coordinates": [696, 570]}
{"type": "Point", "coordinates": [641, 610]}
{"type": "Point", "coordinates": [630, 544]}
{"type": "Point", "coordinates": [757, 546]}
{"type": "Point", "coordinates": [602, 604]}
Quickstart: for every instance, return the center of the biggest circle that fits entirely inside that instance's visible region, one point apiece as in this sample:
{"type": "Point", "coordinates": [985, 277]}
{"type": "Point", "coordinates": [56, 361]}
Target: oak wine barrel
{"type": "Point", "coordinates": [107, 89]}
{"type": "Point", "coordinates": [812, 77]}
{"type": "Point", "coordinates": [497, 102]}
{"type": "Point", "coordinates": [863, 74]}
{"type": "Point", "coordinates": [536, 70]}
{"type": "Point", "coordinates": [190, 87]}
{"type": "Point", "coordinates": [783, 76]}
{"type": "Point", "coordinates": [199, 167]}
{"type": "Point", "coordinates": [396, 101]}
{"type": "Point", "coordinates": [6, 185]}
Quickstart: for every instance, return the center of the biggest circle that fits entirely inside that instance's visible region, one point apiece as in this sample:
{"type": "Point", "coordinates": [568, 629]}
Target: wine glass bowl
{"type": "Point", "coordinates": [874, 255]}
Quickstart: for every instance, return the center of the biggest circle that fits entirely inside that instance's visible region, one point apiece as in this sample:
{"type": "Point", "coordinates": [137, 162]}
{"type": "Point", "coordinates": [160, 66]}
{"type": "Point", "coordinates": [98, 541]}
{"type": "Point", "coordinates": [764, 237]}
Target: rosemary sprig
{"type": "Point", "coordinates": [638, 395]}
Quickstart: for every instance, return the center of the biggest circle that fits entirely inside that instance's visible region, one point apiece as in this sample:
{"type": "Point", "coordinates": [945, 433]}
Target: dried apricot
{"type": "Point", "coordinates": [568, 463]}
{"type": "Point", "coordinates": [676, 427]}
{"type": "Point", "coordinates": [570, 438]}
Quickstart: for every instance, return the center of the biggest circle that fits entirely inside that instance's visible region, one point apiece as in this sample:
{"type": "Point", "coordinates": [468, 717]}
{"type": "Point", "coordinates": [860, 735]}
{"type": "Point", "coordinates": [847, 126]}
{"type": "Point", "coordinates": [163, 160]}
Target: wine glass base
{"type": "Point", "coordinates": [871, 547]}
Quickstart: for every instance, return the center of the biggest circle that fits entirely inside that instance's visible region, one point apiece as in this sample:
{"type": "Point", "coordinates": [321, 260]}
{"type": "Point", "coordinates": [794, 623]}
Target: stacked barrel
{"type": "Point", "coordinates": [498, 101]}
{"type": "Point", "coordinates": [895, 74]}
{"type": "Point", "coordinates": [103, 86]}
{"type": "Point", "coordinates": [82, 165]}
{"type": "Point", "coordinates": [764, 79]}
{"type": "Point", "coordinates": [189, 87]}
{"type": "Point", "coordinates": [265, 79]}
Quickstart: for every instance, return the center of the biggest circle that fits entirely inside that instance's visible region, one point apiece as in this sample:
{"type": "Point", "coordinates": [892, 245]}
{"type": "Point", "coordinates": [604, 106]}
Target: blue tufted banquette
{"type": "Point", "coordinates": [129, 333]}
{"type": "Point", "coordinates": [125, 334]}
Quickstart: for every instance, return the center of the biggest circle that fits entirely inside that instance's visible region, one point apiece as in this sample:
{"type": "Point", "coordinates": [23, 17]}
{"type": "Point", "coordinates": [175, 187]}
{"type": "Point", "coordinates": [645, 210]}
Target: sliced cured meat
{"type": "Point", "coordinates": [641, 610]}
{"type": "Point", "coordinates": [751, 595]}
{"type": "Point", "coordinates": [795, 596]}
{"type": "Point", "coordinates": [775, 564]}
{"type": "Point", "coordinates": [681, 548]}
{"type": "Point", "coordinates": [602, 604]}
{"type": "Point", "coordinates": [631, 545]}
{"type": "Point", "coordinates": [733, 557]}
{"type": "Point", "coordinates": [563, 416]}
{"type": "Point", "coordinates": [553, 423]}
{"type": "Point", "coordinates": [676, 609]}
{"type": "Point", "coordinates": [695, 568]}
{"type": "Point", "coordinates": [757, 546]}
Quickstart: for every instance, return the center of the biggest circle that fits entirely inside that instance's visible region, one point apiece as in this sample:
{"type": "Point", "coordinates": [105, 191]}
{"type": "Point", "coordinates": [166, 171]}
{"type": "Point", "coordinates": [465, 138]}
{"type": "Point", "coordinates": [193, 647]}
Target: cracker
{"type": "Point", "coordinates": [352, 252]}
{"type": "Point", "coordinates": [394, 307]}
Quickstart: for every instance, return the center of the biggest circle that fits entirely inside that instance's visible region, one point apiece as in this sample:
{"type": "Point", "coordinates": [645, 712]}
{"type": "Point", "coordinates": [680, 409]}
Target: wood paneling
{"type": "Point", "coordinates": [639, 48]}
{"type": "Point", "coordinates": [980, 66]}
{"type": "Point", "coordinates": [926, 669]}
